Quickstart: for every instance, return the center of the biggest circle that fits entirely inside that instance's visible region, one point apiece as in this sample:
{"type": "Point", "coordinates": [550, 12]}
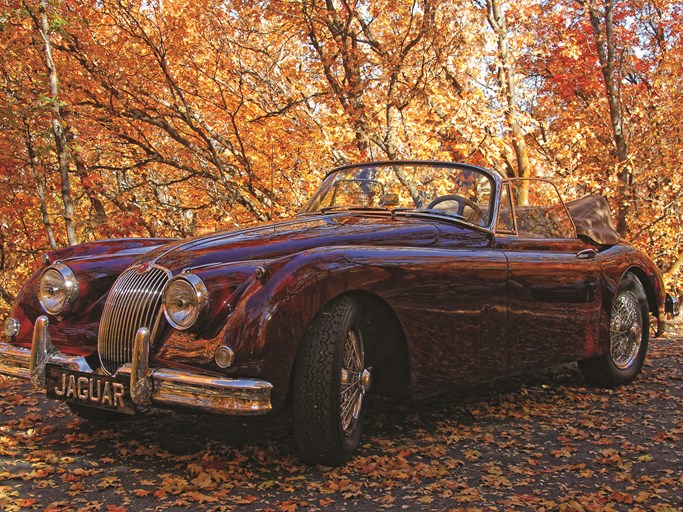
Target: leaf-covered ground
{"type": "Point", "coordinates": [539, 442]}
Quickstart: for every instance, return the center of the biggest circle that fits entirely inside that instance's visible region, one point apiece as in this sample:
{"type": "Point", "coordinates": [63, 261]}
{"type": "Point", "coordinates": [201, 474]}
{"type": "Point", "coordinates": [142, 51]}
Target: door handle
{"type": "Point", "coordinates": [587, 254]}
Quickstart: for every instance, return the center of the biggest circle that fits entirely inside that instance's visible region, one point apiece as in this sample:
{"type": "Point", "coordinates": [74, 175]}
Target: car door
{"type": "Point", "coordinates": [554, 278]}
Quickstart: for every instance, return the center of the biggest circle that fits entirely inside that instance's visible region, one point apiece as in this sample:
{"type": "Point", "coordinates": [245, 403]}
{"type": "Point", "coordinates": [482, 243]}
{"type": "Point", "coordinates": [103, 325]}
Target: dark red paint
{"type": "Point", "coordinates": [466, 305]}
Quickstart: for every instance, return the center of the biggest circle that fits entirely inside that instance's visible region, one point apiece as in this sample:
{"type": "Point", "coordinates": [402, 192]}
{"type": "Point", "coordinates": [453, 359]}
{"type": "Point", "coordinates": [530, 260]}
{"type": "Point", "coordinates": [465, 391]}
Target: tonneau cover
{"type": "Point", "coordinates": [593, 219]}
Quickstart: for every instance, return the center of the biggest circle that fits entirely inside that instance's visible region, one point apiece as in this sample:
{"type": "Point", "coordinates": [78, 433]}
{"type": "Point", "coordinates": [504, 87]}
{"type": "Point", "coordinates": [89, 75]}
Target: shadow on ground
{"type": "Point", "coordinates": [539, 442]}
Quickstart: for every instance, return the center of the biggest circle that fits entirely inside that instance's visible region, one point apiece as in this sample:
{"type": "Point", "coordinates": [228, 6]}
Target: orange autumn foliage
{"type": "Point", "coordinates": [187, 117]}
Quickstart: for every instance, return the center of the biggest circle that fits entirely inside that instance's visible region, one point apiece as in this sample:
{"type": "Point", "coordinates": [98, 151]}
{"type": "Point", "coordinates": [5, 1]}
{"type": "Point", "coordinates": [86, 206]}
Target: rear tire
{"type": "Point", "coordinates": [330, 384]}
{"type": "Point", "coordinates": [629, 333]}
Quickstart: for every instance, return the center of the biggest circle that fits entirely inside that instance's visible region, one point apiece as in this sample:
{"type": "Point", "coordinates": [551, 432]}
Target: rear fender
{"type": "Point", "coordinates": [616, 263]}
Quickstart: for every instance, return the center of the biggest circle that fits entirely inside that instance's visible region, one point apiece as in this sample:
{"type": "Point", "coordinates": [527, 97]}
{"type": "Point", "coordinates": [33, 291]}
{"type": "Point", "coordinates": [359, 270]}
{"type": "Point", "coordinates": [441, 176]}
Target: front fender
{"type": "Point", "coordinates": [270, 320]}
{"type": "Point", "coordinates": [106, 247]}
{"type": "Point", "coordinates": [96, 266]}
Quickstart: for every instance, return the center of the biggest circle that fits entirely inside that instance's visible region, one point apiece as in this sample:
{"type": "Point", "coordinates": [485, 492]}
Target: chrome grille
{"type": "Point", "coordinates": [133, 302]}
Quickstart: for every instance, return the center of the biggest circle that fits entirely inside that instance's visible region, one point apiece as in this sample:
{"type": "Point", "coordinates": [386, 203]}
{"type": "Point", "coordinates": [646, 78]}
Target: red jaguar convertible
{"type": "Point", "coordinates": [403, 278]}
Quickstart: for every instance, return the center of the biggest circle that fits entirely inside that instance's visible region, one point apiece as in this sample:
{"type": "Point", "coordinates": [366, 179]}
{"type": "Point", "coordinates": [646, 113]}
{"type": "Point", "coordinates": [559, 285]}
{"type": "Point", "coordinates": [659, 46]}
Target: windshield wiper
{"type": "Point", "coordinates": [428, 211]}
{"type": "Point", "coordinates": [327, 209]}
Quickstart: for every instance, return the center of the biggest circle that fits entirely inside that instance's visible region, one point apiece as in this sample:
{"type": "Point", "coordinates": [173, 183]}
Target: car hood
{"type": "Point", "coordinates": [274, 240]}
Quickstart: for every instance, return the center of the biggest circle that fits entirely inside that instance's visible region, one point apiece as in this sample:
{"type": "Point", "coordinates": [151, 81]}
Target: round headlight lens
{"type": "Point", "coordinates": [11, 327]}
{"type": "Point", "coordinates": [184, 299]}
{"type": "Point", "coordinates": [57, 289]}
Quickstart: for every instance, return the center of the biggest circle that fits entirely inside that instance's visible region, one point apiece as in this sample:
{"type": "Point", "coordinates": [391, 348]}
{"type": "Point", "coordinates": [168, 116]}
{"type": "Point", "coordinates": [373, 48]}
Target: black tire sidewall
{"type": "Point", "coordinates": [317, 385]}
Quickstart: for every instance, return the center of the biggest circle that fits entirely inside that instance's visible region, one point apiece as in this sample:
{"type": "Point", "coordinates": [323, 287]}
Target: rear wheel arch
{"type": "Point", "coordinates": [627, 337]}
{"type": "Point", "coordinates": [648, 286]}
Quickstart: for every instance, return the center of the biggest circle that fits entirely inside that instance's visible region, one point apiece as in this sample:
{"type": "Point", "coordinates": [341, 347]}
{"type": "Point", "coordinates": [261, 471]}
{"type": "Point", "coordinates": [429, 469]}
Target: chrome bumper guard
{"type": "Point", "coordinates": [672, 305]}
{"type": "Point", "coordinates": [156, 387]}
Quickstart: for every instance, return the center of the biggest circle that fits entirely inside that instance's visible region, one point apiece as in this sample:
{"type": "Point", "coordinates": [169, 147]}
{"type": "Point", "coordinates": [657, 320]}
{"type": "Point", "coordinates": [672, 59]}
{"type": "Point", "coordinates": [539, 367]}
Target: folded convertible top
{"type": "Point", "coordinates": [593, 219]}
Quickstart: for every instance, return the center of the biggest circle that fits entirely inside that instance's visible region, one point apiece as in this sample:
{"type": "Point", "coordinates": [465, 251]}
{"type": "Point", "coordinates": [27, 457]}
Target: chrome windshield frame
{"type": "Point", "coordinates": [494, 178]}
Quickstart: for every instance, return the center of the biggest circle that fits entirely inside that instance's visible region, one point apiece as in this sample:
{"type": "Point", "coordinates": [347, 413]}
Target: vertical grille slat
{"type": "Point", "coordinates": [119, 319]}
{"type": "Point", "coordinates": [133, 302]}
{"type": "Point", "coordinates": [113, 313]}
{"type": "Point", "coordinates": [138, 296]}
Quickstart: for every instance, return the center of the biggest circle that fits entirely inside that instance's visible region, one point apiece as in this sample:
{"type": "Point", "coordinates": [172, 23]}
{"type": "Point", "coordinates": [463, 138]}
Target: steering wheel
{"type": "Point", "coordinates": [461, 202]}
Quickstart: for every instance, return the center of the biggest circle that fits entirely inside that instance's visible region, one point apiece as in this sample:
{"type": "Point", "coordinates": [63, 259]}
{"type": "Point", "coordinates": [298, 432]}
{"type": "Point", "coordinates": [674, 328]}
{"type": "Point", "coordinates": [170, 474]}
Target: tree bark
{"type": "Point", "coordinates": [4, 293]}
{"type": "Point", "coordinates": [40, 188]}
{"type": "Point", "coordinates": [495, 16]}
{"type": "Point", "coordinates": [57, 122]}
{"type": "Point", "coordinates": [602, 24]}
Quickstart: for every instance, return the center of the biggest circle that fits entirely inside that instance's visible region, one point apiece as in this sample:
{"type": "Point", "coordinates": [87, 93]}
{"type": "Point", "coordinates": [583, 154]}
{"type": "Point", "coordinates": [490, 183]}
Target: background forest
{"type": "Point", "coordinates": [176, 118]}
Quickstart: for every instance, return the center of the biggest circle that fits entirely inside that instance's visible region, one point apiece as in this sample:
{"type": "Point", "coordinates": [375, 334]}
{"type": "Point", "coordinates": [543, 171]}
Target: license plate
{"type": "Point", "coordinates": [89, 389]}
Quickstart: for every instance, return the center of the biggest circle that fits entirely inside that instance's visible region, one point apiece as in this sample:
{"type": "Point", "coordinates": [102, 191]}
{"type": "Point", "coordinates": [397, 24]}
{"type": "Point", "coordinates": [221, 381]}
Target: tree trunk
{"type": "Point", "coordinates": [507, 84]}
{"type": "Point", "coordinates": [40, 188]}
{"type": "Point", "coordinates": [602, 24]}
{"type": "Point", "coordinates": [57, 123]}
{"type": "Point", "coordinates": [4, 293]}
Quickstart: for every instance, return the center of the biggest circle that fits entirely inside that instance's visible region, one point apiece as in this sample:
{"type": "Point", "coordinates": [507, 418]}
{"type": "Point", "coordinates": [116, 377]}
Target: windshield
{"type": "Point", "coordinates": [459, 192]}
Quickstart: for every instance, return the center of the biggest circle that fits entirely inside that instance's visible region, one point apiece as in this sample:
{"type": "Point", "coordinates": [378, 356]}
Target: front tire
{"type": "Point", "coordinates": [330, 383]}
{"type": "Point", "coordinates": [629, 333]}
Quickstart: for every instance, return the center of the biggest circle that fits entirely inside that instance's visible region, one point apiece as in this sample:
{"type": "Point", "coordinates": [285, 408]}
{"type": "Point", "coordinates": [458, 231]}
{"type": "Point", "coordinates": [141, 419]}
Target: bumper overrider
{"type": "Point", "coordinates": [72, 379]}
{"type": "Point", "coordinates": [672, 305]}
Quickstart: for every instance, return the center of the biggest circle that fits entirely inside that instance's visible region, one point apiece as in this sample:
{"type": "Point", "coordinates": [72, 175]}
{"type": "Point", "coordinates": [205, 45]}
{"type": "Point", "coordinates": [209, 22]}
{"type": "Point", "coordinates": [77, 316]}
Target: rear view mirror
{"type": "Point", "coordinates": [388, 200]}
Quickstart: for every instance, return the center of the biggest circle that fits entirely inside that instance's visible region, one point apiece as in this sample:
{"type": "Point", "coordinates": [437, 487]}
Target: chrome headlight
{"type": "Point", "coordinates": [11, 327]}
{"type": "Point", "coordinates": [58, 288]}
{"type": "Point", "coordinates": [185, 296]}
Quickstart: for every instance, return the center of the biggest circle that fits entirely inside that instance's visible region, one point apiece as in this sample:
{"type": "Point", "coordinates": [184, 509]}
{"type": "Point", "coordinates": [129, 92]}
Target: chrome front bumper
{"type": "Point", "coordinates": [164, 387]}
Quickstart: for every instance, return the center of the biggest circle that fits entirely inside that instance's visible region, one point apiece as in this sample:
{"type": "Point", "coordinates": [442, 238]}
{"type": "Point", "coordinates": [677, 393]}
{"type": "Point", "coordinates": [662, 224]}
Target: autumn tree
{"type": "Point", "coordinates": [507, 83]}
{"type": "Point", "coordinates": [43, 26]}
{"type": "Point", "coordinates": [601, 15]}
{"type": "Point", "coordinates": [577, 119]}
{"type": "Point", "coordinates": [181, 118]}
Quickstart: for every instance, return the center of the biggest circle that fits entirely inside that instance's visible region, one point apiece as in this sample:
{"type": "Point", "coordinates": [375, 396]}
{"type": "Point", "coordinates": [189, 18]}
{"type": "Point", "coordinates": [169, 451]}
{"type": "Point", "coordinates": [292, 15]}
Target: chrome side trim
{"type": "Point", "coordinates": [211, 394]}
{"type": "Point", "coordinates": [15, 361]}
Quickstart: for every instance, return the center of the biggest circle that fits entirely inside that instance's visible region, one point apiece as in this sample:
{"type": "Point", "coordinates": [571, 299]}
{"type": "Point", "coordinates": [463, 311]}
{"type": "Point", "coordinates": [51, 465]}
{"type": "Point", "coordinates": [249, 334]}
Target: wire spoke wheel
{"type": "Point", "coordinates": [626, 330]}
{"type": "Point", "coordinates": [628, 338]}
{"type": "Point", "coordinates": [354, 381]}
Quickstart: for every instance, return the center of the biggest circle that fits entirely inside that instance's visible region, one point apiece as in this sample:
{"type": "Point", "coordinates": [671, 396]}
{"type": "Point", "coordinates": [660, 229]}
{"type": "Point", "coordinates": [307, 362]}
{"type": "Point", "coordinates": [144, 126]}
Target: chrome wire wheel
{"type": "Point", "coordinates": [355, 382]}
{"type": "Point", "coordinates": [626, 330]}
{"type": "Point", "coordinates": [628, 338]}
